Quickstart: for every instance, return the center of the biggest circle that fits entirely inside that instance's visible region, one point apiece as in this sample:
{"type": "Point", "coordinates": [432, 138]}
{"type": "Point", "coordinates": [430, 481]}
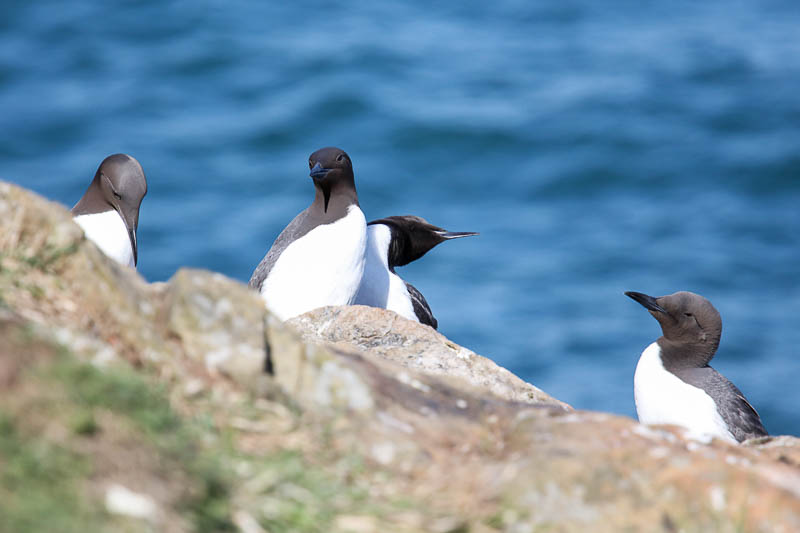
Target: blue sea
{"type": "Point", "coordinates": [597, 147]}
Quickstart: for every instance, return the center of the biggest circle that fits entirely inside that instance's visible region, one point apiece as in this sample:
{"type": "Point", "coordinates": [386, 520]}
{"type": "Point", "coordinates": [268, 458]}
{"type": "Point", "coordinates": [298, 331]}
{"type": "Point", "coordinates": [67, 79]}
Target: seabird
{"type": "Point", "coordinates": [674, 384]}
{"type": "Point", "coordinates": [396, 241]}
{"type": "Point", "coordinates": [318, 259]}
{"type": "Point", "coordinates": [109, 210]}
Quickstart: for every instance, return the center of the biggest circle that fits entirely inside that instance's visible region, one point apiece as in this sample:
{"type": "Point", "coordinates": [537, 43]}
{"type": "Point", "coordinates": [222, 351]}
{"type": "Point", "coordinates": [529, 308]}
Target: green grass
{"type": "Point", "coordinates": [49, 254]}
{"type": "Point", "coordinates": [43, 483]}
{"type": "Point", "coordinates": [40, 483]}
{"type": "Point", "coordinates": [303, 498]}
{"type": "Point", "coordinates": [129, 395]}
{"type": "Point", "coordinates": [121, 391]}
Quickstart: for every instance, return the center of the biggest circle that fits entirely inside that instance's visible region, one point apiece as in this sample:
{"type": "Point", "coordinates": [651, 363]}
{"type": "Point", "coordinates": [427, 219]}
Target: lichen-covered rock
{"type": "Point", "coordinates": [51, 274]}
{"type": "Point", "coordinates": [413, 345]}
{"type": "Point", "coordinates": [315, 376]}
{"type": "Point", "coordinates": [218, 322]}
{"type": "Point", "coordinates": [364, 420]}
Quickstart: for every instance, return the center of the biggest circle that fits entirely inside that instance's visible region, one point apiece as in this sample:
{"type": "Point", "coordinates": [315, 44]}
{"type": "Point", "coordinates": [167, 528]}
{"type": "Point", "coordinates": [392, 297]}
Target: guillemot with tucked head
{"type": "Point", "coordinates": [318, 259]}
{"type": "Point", "coordinates": [396, 241]}
{"type": "Point", "coordinates": [674, 384]}
{"type": "Point", "coordinates": [109, 210]}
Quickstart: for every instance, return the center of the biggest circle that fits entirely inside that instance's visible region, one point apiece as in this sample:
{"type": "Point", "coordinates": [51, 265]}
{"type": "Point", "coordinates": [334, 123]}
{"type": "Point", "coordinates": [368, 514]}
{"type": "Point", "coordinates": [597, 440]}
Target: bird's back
{"type": "Point", "coordinates": [289, 234]}
{"type": "Point", "coordinates": [741, 418]}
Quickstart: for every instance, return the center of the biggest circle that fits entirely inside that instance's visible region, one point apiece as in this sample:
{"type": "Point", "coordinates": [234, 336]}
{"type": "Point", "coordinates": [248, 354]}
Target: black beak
{"type": "Point", "coordinates": [648, 302]}
{"type": "Point", "coordinates": [455, 234]}
{"type": "Point", "coordinates": [318, 172]}
{"type": "Point", "coordinates": [131, 220]}
{"type": "Point", "coordinates": [132, 236]}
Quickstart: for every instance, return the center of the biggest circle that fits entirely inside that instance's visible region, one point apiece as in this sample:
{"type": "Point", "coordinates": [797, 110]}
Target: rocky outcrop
{"type": "Point", "coordinates": [415, 346]}
{"type": "Point", "coordinates": [344, 419]}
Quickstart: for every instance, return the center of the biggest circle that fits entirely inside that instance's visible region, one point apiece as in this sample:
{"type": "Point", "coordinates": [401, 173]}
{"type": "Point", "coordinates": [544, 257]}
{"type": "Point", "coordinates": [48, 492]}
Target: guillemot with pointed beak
{"type": "Point", "coordinates": [396, 241]}
{"type": "Point", "coordinates": [318, 259]}
{"type": "Point", "coordinates": [109, 210]}
{"type": "Point", "coordinates": [674, 384]}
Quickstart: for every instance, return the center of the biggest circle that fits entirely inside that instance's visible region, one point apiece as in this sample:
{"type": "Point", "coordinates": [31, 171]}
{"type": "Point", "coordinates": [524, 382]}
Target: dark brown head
{"type": "Point", "coordinates": [413, 237]}
{"type": "Point", "coordinates": [118, 184]}
{"type": "Point", "coordinates": [332, 173]}
{"type": "Point", "coordinates": [687, 319]}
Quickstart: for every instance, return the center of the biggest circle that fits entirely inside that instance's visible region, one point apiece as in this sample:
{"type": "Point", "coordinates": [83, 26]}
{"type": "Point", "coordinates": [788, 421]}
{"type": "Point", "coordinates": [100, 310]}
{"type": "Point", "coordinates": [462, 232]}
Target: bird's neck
{"type": "Point", "coordinates": [678, 355]}
{"type": "Point", "coordinates": [92, 201]}
{"type": "Point", "coordinates": [331, 202]}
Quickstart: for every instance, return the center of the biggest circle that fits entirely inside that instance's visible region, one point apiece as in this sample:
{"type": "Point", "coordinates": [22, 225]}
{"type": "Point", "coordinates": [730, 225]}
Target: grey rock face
{"type": "Point", "coordinates": [219, 322]}
{"type": "Point", "coordinates": [415, 346]}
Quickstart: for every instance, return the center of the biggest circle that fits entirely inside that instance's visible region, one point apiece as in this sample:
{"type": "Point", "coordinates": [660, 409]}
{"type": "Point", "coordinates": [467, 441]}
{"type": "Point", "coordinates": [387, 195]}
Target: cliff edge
{"type": "Point", "coordinates": [186, 406]}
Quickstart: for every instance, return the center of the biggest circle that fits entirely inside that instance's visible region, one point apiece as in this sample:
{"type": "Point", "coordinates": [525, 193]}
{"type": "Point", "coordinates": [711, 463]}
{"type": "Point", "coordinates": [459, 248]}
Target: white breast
{"type": "Point", "coordinates": [108, 232]}
{"type": "Point", "coordinates": [663, 398]}
{"type": "Point", "coordinates": [380, 287]}
{"type": "Point", "coordinates": [323, 267]}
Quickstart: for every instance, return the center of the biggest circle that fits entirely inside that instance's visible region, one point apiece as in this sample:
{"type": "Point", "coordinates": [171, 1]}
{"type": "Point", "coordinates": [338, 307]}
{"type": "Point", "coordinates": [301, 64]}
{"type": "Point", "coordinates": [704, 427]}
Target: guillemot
{"type": "Point", "coordinates": [396, 241]}
{"type": "Point", "coordinates": [674, 384]}
{"type": "Point", "coordinates": [318, 259]}
{"type": "Point", "coordinates": [109, 210]}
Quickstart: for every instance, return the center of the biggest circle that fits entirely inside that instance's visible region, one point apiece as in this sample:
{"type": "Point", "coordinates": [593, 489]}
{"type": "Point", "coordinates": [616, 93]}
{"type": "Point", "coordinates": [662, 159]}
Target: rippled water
{"type": "Point", "coordinates": [597, 148]}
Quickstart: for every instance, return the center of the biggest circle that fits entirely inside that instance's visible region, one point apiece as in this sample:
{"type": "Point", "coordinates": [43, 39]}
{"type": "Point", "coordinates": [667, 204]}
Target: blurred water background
{"type": "Point", "coordinates": [598, 147]}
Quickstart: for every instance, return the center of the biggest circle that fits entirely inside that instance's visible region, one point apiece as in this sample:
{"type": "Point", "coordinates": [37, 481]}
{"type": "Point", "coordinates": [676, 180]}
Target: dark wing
{"type": "Point", "coordinates": [733, 407]}
{"type": "Point", "coordinates": [290, 233]}
{"type": "Point", "coordinates": [421, 307]}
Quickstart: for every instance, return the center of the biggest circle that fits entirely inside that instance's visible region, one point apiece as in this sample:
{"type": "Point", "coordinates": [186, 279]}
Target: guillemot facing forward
{"type": "Point", "coordinates": [673, 383]}
{"type": "Point", "coordinates": [318, 259]}
{"type": "Point", "coordinates": [396, 241]}
{"type": "Point", "coordinates": [109, 210]}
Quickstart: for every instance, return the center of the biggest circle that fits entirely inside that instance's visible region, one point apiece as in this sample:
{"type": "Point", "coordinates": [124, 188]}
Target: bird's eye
{"type": "Point", "coordinates": [688, 314]}
{"type": "Point", "coordinates": [340, 157]}
{"type": "Point", "coordinates": [117, 195]}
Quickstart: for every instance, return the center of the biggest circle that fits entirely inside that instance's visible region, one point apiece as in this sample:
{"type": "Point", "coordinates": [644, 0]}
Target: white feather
{"type": "Point", "coordinates": [380, 287]}
{"type": "Point", "coordinates": [107, 230]}
{"type": "Point", "coordinates": [323, 267]}
{"type": "Point", "coordinates": [663, 398]}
